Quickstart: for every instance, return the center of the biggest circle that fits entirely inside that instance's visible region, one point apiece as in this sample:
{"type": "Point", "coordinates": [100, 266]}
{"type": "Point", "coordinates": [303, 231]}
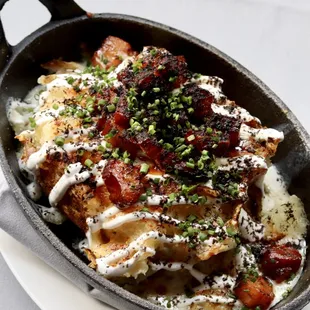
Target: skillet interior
{"type": "Point", "coordinates": [62, 39]}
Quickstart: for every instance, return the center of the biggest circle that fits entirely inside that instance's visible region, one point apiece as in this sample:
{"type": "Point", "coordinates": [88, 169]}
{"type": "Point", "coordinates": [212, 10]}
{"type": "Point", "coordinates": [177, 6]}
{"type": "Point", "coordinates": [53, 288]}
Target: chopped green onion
{"type": "Point", "coordinates": [172, 197]}
{"type": "Point", "coordinates": [231, 231]}
{"type": "Point", "coordinates": [90, 109]}
{"type": "Point", "coordinates": [194, 198]}
{"type": "Point", "coordinates": [220, 221]}
{"type": "Point", "coordinates": [156, 180]}
{"type": "Point", "coordinates": [111, 134]}
{"type": "Point", "coordinates": [168, 146]}
{"type": "Point", "coordinates": [70, 80]}
{"type": "Point", "coordinates": [143, 93]}
{"type": "Point", "coordinates": [55, 106]}
{"type": "Point", "coordinates": [152, 130]}
{"type": "Point", "coordinates": [181, 148]}
{"type": "Point", "coordinates": [115, 153]}
{"type": "Point", "coordinates": [200, 165]}
{"type": "Point", "coordinates": [202, 236]}
{"type": "Point", "coordinates": [143, 197]}
{"type": "Point", "coordinates": [144, 168]}
{"type": "Point", "coordinates": [111, 108]}
{"type": "Point", "coordinates": [191, 218]}
{"type": "Point", "coordinates": [102, 102]}
{"type": "Point", "coordinates": [79, 98]}
{"type": "Point", "coordinates": [190, 165]}
{"type": "Point", "coordinates": [87, 120]}
{"type": "Point", "coordinates": [156, 89]}
{"type": "Point", "coordinates": [202, 200]}
{"type": "Point", "coordinates": [32, 122]}
{"type": "Point", "coordinates": [190, 110]}
{"type": "Point", "coordinates": [88, 162]}
{"type": "Point", "coordinates": [80, 113]}
{"type": "Point", "coordinates": [60, 141]}
{"type": "Point", "coordinates": [209, 130]}
{"type": "Point", "coordinates": [127, 160]}
{"type": "Point", "coordinates": [80, 152]}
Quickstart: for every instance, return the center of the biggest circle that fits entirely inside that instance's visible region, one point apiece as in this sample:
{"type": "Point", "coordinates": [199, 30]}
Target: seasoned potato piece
{"type": "Point", "coordinates": [255, 292]}
{"type": "Point", "coordinates": [112, 52]}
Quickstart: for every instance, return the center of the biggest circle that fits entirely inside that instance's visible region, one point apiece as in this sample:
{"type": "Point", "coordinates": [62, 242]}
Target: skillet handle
{"type": "Point", "coordinates": [63, 9]}
{"type": "Point", "coordinates": [5, 47]}
{"type": "Point", "coordinates": [59, 9]}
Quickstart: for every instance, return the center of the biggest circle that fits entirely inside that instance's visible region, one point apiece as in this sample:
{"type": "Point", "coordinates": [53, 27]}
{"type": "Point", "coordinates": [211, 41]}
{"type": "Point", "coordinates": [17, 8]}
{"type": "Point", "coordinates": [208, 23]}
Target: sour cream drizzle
{"type": "Point", "coordinates": [261, 134]}
{"type": "Point", "coordinates": [50, 147]}
{"type": "Point", "coordinates": [234, 111]}
{"type": "Point", "coordinates": [104, 264]}
{"type": "Point", "coordinates": [182, 302]}
{"type": "Point", "coordinates": [249, 229]}
{"type": "Point", "coordinates": [175, 266]}
{"type": "Point", "coordinates": [74, 175]}
{"type": "Point", "coordinates": [241, 162]}
{"type": "Point", "coordinates": [109, 219]}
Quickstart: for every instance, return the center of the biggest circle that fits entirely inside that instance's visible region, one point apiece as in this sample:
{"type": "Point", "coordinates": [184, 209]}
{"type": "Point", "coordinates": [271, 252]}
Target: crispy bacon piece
{"type": "Point", "coordinates": [112, 52]}
{"type": "Point", "coordinates": [226, 125]}
{"type": "Point", "coordinates": [201, 98]}
{"type": "Point", "coordinates": [224, 135]}
{"type": "Point", "coordinates": [280, 262]}
{"type": "Point", "coordinates": [149, 146]}
{"type": "Point", "coordinates": [125, 142]}
{"type": "Point", "coordinates": [155, 68]}
{"type": "Point", "coordinates": [255, 292]}
{"type": "Point", "coordinates": [124, 182]}
{"type": "Point", "coordinates": [119, 120]}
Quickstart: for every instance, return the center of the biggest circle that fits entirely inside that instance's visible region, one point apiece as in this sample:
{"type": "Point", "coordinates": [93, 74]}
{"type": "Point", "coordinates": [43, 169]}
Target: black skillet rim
{"type": "Point", "coordinates": [90, 275]}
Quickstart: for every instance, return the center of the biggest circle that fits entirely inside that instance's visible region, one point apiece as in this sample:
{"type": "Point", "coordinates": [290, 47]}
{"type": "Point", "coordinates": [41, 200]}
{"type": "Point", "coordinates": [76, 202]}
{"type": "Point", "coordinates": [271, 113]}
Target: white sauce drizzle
{"type": "Point", "coordinates": [213, 84]}
{"type": "Point", "coordinates": [249, 229]}
{"type": "Point", "coordinates": [234, 111]}
{"type": "Point", "coordinates": [34, 190]}
{"type": "Point", "coordinates": [175, 266]}
{"type": "Point", "coordinates": [51, 215]}
{"type": "Point", "coordinates": [50, 147]}
{"type": "Point", "coordinates": [241, 163]}
{"type": "Point", "coordinates": [182, 302]}
{"type": "Point", "coordinates": [245, 259]}
{"type": "Point", "coordinates": [74, 175]}
{"type": "Point", "coordinates": [262, 134]}
{"type": "Point", "coordinates": [104, 263]}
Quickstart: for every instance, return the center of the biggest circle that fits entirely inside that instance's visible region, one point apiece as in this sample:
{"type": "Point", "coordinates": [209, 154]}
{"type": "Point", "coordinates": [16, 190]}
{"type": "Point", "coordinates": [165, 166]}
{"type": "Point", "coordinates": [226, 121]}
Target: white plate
{"type": "Point", "coordinates": [31, 272]}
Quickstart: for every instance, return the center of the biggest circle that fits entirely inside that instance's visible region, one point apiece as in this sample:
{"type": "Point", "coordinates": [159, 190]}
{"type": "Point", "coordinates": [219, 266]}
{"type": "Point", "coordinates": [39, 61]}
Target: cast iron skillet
{"type": "Point", "coordinates": [61, 37]}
